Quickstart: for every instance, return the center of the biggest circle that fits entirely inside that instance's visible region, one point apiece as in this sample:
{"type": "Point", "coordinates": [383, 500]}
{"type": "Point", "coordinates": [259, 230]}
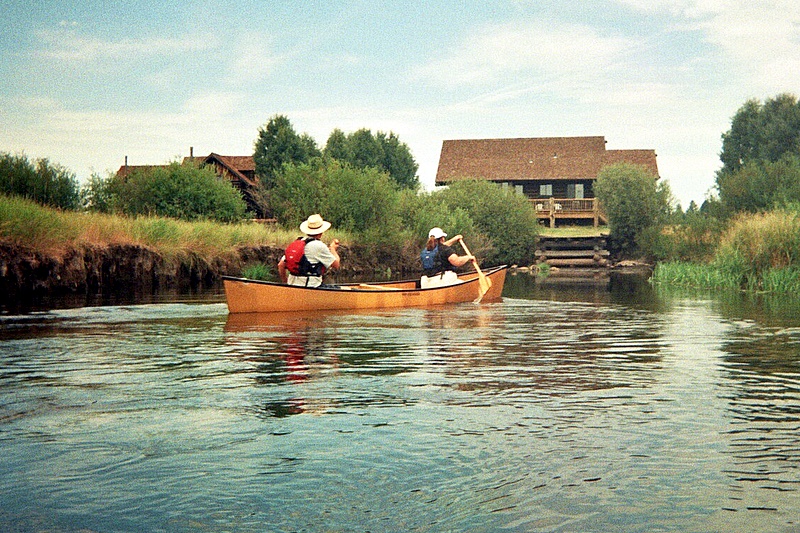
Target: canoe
{"type": "Point", "coordinates": [252, 296]}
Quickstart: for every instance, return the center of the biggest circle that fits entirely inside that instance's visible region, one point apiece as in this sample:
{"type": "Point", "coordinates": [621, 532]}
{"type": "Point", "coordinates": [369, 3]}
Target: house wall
{"type": "Point", "coordinates": [531, 187]}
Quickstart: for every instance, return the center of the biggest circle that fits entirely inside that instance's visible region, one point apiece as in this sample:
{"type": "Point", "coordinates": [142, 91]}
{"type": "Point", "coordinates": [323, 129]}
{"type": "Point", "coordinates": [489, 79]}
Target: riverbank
{"type": "Point", "coordinates": [114, 268]}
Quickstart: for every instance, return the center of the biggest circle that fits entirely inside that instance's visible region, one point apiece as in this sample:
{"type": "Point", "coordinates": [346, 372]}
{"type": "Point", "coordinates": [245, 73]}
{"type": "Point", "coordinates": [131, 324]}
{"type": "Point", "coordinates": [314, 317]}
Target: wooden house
{"type": "Point", "coordinates": [556, 173]}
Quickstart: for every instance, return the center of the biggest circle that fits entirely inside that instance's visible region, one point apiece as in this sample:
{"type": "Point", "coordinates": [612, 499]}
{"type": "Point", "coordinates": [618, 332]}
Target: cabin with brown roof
{"type": "Point", "coordinates": [240, 170]}
{"type": "Point", "coordinates": [556, 173]}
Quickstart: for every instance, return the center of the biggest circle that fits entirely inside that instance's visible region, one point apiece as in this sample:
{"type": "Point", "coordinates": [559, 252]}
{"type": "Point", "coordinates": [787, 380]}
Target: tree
{"type": "Point", "coordinates": [96, 194]}
{"type": "Point", "coordinates": [39, 180]}
{"type": "Point", "coordinates": [364, 201]}
{"type": "Point", "coordinates": [183, 191]}
{"type": "Point", "coordinates": [634, 201]}
{"type": "Point", "coordinates": [506, 217]}
{"type": "Point", "coordinates": [278, 144]}
{"type": "Point", "coordinates": [382, 151]}
{"type": "Point", "coordinates": [761, 137]}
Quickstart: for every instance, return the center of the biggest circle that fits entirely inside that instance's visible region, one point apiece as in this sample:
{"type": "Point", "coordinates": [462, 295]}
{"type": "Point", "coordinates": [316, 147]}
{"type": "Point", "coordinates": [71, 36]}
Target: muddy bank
{"type": "Point", "coordinates": [113, 269]}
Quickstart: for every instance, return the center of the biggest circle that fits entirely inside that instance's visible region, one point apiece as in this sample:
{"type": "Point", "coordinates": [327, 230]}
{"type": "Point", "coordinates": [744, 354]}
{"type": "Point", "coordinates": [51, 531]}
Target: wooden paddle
{"type": "Point", "coordinates": [484, 283]}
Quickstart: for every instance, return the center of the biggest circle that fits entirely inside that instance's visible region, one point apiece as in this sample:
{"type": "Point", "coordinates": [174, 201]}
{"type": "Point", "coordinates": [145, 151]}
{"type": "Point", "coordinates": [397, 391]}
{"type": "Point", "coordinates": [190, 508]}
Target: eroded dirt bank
{"type": "Point", "coordinates": [125, 268]}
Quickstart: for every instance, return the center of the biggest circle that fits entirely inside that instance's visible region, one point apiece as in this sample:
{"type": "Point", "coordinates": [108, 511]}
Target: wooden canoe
{"type": "Point", "coordinates": [251, 296]}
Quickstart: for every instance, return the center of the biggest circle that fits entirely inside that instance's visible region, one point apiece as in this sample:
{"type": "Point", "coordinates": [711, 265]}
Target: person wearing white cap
{"type": "Point", "coordinates": [322, 258]}
{"type": "Point", "coordinates": [441, 271]}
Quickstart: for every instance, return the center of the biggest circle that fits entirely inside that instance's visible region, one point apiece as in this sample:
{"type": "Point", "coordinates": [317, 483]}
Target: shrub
{"type": "Point", "coordinates": [504, 216]}
{"type": "Point", "coordinates": [694, 237]}
{"type": "Point", "coordinates": [756, 244]}
{"type": "Point", "coordinates": [259, 271]}
{"type": "Point", "coordinates": [634, 201]}
{"type": "Point", "coordinates": [40, 181]}
{"type": "Point", "coordinates": [421, 212]}
{"type": "Point", "coordinates": [183, 191]}
{"type": "Point", "coordinates": [363, 201]}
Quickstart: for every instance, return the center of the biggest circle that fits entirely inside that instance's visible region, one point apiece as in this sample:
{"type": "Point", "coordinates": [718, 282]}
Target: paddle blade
{"type": "Point", "coordinates": [484, 284]}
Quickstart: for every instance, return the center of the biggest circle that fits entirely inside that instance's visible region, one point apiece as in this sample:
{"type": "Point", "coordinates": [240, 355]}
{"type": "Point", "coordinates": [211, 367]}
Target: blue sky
{"type": "Point", "coordinates": [87, 83]}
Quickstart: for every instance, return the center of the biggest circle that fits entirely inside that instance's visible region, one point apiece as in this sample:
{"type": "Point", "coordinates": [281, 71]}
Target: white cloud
{"type": "Point", "coordinates": [760, 37]}
{"type": "Point", "coordinates": [253, 58]}
{"type": "Point", "coordinates": [66, 44]}
{"type": "Point", "coordinates": [537, 49]}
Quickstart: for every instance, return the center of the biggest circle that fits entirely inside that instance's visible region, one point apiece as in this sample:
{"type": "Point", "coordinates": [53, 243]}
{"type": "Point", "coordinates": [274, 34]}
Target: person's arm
{"type": "Point", "coordinates": [460, 260]}
{"type": "Point", "coordinates": [282, 273]}
{"type": "Point", "coordinates": [334, 247]}
{"type": "Point", "coordinates": [451, 241]}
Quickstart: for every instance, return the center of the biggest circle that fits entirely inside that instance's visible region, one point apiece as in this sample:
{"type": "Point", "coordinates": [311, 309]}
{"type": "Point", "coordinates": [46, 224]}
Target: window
{"type": "Point", "coordinates": [546, 189]}
{"type": "Point", "coordinates": [575, 190]}
{"type": "Point", "coordinates": [518, 189]}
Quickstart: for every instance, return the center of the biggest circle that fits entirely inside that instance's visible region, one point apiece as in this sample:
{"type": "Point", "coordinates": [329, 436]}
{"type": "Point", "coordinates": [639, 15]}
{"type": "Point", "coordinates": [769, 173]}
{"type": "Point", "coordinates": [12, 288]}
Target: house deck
{"type": "Point", "coordinates": [553, 209]}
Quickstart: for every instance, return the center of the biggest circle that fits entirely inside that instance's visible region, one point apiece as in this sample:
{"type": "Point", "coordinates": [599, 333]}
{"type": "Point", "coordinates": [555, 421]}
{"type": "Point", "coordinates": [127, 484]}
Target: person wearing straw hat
{"type": "Point", "coordinates": [323, 258]}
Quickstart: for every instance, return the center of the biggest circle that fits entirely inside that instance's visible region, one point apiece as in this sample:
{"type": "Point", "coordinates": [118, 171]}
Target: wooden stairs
{"type": "Point", "coordinates": [574, 257]}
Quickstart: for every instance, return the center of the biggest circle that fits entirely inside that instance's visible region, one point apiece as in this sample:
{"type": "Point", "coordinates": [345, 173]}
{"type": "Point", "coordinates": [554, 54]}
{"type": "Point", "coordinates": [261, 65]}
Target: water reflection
{"type": "Point", "coordinates": [615, 408]}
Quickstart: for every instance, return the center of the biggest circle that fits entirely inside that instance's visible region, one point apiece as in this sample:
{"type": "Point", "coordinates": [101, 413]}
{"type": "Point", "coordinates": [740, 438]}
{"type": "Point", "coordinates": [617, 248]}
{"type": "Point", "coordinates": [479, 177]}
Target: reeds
{"type": "Point", "coordinates": [758, 253]}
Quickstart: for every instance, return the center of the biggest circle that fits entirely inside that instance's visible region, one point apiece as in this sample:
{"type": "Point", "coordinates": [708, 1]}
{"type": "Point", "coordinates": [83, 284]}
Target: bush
{"type": "Point", "coordinates": [421, 212]}
{"type": "Point", "coordinates": [363, 201]}
{"type": "Point", "coordinates": [504, 216]}
{"type": "Point", "coordinates": [259, 271]}
{"type": "Point", "coordinates": [692, 237]}
{"type": "Point", "coordinates": [40, 181]}
{"type": "Point", "coordinates": [634, 202]}
{"type": "Point", "coordinates": [182, 191]}
{"type": "Point", "coordinates": [756, 244]}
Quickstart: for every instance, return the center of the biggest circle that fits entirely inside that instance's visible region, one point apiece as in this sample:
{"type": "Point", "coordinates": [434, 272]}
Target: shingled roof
{"type": "Point", "coordinates": [241, 167]}
{"type": "Point", "coordinates": [543, 158]}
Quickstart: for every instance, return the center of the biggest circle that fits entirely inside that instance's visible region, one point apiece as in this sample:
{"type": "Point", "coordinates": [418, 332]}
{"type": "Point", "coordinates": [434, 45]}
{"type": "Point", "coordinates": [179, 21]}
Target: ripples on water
{"type": "Point", "coordinates": [579, 414]}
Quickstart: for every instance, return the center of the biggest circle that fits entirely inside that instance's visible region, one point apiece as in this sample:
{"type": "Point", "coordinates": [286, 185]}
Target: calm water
{"type": "Point", "coordinates": [557, 409]}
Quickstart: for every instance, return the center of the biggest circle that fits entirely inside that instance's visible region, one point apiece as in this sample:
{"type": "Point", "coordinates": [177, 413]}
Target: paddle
{"type": "Point", "coordinates": [484, 283]}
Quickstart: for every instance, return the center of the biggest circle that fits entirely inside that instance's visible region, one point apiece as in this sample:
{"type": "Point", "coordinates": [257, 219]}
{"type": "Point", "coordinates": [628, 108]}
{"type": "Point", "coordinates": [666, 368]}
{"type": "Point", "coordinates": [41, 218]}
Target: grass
{"type": "Point", "coordinates": [53, 231]}
{"type": "Point", "coordinates": [694, 275]}
{"type": "Point", "coordinates": [758, 253]}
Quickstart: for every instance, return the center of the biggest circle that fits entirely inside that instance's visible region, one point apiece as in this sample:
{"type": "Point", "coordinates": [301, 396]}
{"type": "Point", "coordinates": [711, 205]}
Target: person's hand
{"type": "Point", "coordinates": [458, 237]}
{"type": "Point", "coordinates": [334, 245]}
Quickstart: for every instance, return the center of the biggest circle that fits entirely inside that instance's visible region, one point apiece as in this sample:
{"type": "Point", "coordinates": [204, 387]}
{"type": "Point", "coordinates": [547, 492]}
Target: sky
{"type": "Point", "coordinates": [87, 84]}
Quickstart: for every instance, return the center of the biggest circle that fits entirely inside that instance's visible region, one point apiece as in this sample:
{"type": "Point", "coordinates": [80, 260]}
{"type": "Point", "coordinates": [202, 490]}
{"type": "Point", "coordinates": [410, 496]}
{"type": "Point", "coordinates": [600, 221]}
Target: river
{"type": "Point", "coordinates": [560, 408]}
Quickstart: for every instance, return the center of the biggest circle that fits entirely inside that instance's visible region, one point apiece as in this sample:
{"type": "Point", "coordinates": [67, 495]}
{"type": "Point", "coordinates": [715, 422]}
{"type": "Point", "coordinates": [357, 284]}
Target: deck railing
{"type": "Point", "coordinates": [569, 208]}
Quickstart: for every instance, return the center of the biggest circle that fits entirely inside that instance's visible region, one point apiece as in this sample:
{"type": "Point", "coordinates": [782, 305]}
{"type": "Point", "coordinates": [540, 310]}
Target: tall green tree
{"type": "Point", "coordinates": [762, 132]}
{"type": "Point", "coordinates": [41, 181]}
{"type": "Point", "coordinates": [277, 144]}
{"type": "Point", "coordinates": [637, 205]}
{"type": "Point", "coordinates": [383, 151]}
{"type": "Point", "coordinates": [758, 155]}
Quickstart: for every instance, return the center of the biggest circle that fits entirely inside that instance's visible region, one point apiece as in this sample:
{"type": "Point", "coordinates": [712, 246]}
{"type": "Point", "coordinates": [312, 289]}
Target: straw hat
{"type": "Point", "coordinates": [437, 233]}
{"type": "Point", "coordinates": [314, 225]}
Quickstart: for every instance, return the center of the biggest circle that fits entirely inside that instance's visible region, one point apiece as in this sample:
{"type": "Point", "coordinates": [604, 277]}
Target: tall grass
{"type": "Point", "coordinates": [694, 275]}
{"type": "Point", "coordinates": [53, 231]}
{"type": "Point", "coordinates": [24, 222]}
{"type": "Point", "coordinates": [757, 253]}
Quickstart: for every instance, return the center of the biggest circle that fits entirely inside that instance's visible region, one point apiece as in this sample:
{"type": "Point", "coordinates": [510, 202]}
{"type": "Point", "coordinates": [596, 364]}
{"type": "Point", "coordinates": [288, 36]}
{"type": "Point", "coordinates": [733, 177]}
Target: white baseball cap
{"type": "Point", "coordinates": [437, 233]}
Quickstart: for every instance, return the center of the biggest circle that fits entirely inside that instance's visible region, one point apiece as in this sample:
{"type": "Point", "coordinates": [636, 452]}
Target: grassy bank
{"type": "Point", "coordinates": [758, 253]}
{"type": "Point", "coordinates": [53, 232]}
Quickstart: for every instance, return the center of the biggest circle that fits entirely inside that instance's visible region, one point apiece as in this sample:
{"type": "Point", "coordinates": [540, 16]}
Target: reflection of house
{"type": "Point", "coordinates": [556, 173]}
{"type": "Point", "coordinates": [240, 170]}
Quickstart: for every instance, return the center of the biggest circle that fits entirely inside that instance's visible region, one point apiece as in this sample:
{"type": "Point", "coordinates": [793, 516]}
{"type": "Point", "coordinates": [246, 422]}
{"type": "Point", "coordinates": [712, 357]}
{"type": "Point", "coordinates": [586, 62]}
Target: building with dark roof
{"type": "Point", "coordinates": [556, 173]}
